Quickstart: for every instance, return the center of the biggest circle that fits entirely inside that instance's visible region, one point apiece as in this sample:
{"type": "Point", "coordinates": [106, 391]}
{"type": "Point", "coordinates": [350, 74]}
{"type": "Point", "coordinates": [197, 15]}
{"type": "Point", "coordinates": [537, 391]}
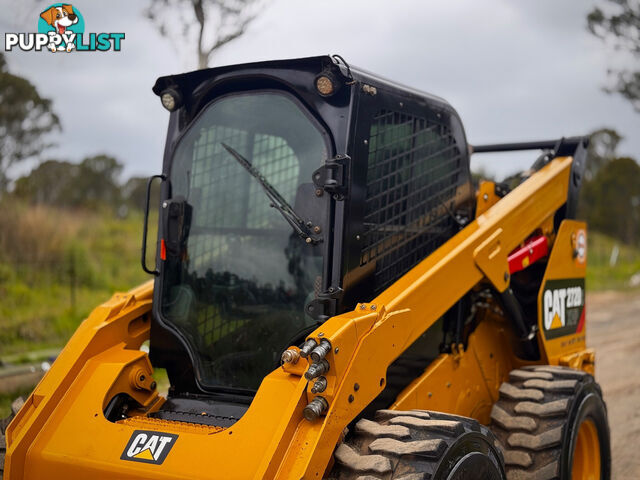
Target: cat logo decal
{"type": "Point", "coordinates": [148, 447]}
{"type": "Point", "coordinates": [563, 307]}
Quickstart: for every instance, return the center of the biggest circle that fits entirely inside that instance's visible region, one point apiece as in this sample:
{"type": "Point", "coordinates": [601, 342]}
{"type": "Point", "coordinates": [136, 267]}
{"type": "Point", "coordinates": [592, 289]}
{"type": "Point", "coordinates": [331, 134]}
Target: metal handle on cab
{"type": "Point", "coordinates": [143, 259]}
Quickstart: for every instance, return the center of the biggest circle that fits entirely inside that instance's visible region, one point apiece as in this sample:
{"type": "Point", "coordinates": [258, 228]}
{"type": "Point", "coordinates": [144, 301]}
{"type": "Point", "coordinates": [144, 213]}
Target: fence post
{"type": "Point", "coordinates": [72, 282]}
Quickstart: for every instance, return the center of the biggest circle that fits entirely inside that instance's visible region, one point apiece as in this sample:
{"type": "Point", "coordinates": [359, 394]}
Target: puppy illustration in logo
{"type": "Point", "coordinates": [60, 18]}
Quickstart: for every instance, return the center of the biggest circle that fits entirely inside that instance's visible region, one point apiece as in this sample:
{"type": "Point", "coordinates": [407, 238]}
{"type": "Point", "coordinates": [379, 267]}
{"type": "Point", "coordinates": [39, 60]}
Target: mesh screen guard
{"type": "Point", "coordinates": [414, 172]}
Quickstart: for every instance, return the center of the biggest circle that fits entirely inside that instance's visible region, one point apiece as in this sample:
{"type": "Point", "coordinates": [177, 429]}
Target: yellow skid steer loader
{"type": "Point", "coordinates": [333, 298]}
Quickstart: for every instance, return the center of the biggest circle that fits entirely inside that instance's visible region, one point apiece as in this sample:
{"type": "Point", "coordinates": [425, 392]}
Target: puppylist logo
{"type": "Point", "coordinates": [61, 29]}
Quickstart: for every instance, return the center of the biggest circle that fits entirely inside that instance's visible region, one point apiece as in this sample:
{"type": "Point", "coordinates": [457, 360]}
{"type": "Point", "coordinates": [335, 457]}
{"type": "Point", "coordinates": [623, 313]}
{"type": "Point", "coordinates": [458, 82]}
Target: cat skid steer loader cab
{"type": "Point", "coordinates": [333, 299]}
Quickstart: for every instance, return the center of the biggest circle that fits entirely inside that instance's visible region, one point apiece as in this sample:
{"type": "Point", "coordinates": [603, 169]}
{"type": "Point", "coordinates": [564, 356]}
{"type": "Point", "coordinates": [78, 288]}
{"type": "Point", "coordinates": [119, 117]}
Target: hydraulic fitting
{"type": "Point", "coordinates": [317, 369]}
{"type": "Point", "coordinates": [316, 407]}
{"type": "Point", "coordinates": [307, 347]}
{"type": "Point", "coordinates": [290, 356]}
{"type": "Point", "coordinates": [320, 385]}
{"type": "Point", "coordinates": [320, 351]}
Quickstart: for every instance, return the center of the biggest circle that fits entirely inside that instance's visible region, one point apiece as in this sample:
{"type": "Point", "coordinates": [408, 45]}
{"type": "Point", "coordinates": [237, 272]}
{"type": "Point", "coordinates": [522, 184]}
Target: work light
{"type": "Point", "coordinates": [325, 85]}
{"type": "Point", "coordinates": [171, 99]}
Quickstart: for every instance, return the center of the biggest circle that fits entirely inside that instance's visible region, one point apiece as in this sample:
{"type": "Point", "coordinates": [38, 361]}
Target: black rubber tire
{"type": "Point", "coordinates": [418, 445]}
{"type": "Point", "coordinates": [537, 419]}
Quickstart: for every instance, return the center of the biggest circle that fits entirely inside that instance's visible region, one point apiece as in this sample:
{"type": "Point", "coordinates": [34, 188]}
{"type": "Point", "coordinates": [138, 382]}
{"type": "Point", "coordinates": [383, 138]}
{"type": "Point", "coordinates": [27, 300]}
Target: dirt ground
{"type": "Point", "coordinates": [613, 329]}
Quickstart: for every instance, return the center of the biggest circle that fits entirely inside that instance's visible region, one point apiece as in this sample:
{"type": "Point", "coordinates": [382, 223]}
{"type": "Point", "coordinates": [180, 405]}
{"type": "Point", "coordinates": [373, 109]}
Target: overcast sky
{"type": "Point", "coordinates": [514, 70]}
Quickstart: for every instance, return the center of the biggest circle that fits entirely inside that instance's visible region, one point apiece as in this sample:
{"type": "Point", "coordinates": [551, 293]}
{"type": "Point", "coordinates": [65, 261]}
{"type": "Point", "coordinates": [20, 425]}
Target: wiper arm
{"type": "Point", "coordinates": [278, 201]}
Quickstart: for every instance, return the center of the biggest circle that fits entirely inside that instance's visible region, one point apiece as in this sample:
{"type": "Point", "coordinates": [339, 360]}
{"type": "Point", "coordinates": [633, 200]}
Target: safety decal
{"type": "Point", "coordinates": [580, 247]}
{"type": "Point", "coordinates": [563, 307]}
{"type": "Point", "coordinates": [148, 447]}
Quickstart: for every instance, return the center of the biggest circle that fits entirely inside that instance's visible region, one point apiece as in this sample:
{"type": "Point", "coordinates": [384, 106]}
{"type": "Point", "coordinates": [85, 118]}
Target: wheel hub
{"type": "Point", "coordinates": [586, 455]}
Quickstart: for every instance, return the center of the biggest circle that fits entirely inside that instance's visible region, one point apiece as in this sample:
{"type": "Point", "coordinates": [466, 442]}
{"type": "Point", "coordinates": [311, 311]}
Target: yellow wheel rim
{"type": "Point", "coordinates": [586, 456]}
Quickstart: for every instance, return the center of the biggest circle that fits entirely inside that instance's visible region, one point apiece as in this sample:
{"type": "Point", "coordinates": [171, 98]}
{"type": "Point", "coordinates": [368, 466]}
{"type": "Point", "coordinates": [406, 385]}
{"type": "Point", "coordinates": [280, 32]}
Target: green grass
{"type": "Point", "coordinates": [36, 309]}
{"type": "Point", "coordinates": [601, 275]}
{"type": "Point", "coordinates": [40, 306]}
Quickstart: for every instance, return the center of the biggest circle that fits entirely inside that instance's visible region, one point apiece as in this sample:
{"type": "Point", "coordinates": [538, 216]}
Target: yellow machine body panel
{"type": "Point", "coordinates": [62, 433]}
{"type": "Point", "coordinates": [450, 384]}
{"type": "Point", "coordinates": [561, 300]}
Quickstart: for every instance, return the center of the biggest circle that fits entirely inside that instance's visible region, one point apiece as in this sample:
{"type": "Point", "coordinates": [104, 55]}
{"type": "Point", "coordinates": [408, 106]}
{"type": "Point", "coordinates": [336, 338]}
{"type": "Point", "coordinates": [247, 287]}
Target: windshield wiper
{"type": "Point", "coordinates": [278, 202]}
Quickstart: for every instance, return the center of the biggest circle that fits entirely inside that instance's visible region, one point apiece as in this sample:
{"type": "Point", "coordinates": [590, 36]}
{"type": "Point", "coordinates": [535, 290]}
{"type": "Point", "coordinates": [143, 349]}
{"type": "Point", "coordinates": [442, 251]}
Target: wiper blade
{"type": "Point", "coordinates": [278, 202]}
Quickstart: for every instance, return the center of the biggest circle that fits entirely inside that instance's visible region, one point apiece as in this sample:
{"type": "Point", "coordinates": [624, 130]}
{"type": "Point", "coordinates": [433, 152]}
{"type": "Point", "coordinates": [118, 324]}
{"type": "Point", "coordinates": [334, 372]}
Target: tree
{"type": "Point", "coordinates": [614, 195]}
{"type": "Point", "coordinates": [50, 183]}
{"type": "Point", "coordinates": [206, 24]}
{"type": "Point", "coordinates": [620, 25]}
{"type": "Point", "coordinates": [603, 145]}
{"type": "Point", "coordinates": [98, 180]}
{"type": "Point", "coordinates": [25, 119]}
{"type": "Point", "coordinates": [134, 193]}
{"type": "Point", "coordinates": [93, 183]}
{"type": "Point", "coordinates": [603, 149]}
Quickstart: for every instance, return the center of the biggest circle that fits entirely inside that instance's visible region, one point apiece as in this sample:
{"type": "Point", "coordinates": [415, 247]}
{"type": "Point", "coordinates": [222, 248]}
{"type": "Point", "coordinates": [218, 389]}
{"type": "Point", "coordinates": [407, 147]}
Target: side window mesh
{"type": "Point", "coordinates": [414, 170]}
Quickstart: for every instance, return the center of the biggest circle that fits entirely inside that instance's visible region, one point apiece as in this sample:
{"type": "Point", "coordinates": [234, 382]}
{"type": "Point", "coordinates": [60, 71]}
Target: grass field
{"type": "Point", "coordinates": [71, 262]}
{"type": "Point", "coordinates": [57, 265]}
{"type": "Point", "coordinates": [42, 303]}
{"type": "Point", "coordinates": [601, 273]}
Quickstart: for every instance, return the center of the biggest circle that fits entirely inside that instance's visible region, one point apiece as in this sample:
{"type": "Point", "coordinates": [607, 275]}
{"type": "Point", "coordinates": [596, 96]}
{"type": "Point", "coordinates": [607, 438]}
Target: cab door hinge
{"type": "Point", "coordinates": [332, 176]}
{"type": "Point", "coordinates": [325, 304]}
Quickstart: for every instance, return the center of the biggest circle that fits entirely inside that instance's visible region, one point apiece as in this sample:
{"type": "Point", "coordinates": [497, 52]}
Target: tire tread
{"type": "Point", "coordinates": [530, 419]}
{"type": "Point", "coordinates": [380, 450]}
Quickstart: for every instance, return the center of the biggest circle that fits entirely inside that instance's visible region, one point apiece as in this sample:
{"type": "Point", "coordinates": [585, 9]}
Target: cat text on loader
{"type": "Point", "coordinates": [333, 299]}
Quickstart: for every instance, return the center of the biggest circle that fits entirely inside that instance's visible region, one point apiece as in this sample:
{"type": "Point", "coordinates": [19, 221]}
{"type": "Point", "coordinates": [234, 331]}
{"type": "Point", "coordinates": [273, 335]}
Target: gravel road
{"type": "Point", "coordinates": [613, 329]}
